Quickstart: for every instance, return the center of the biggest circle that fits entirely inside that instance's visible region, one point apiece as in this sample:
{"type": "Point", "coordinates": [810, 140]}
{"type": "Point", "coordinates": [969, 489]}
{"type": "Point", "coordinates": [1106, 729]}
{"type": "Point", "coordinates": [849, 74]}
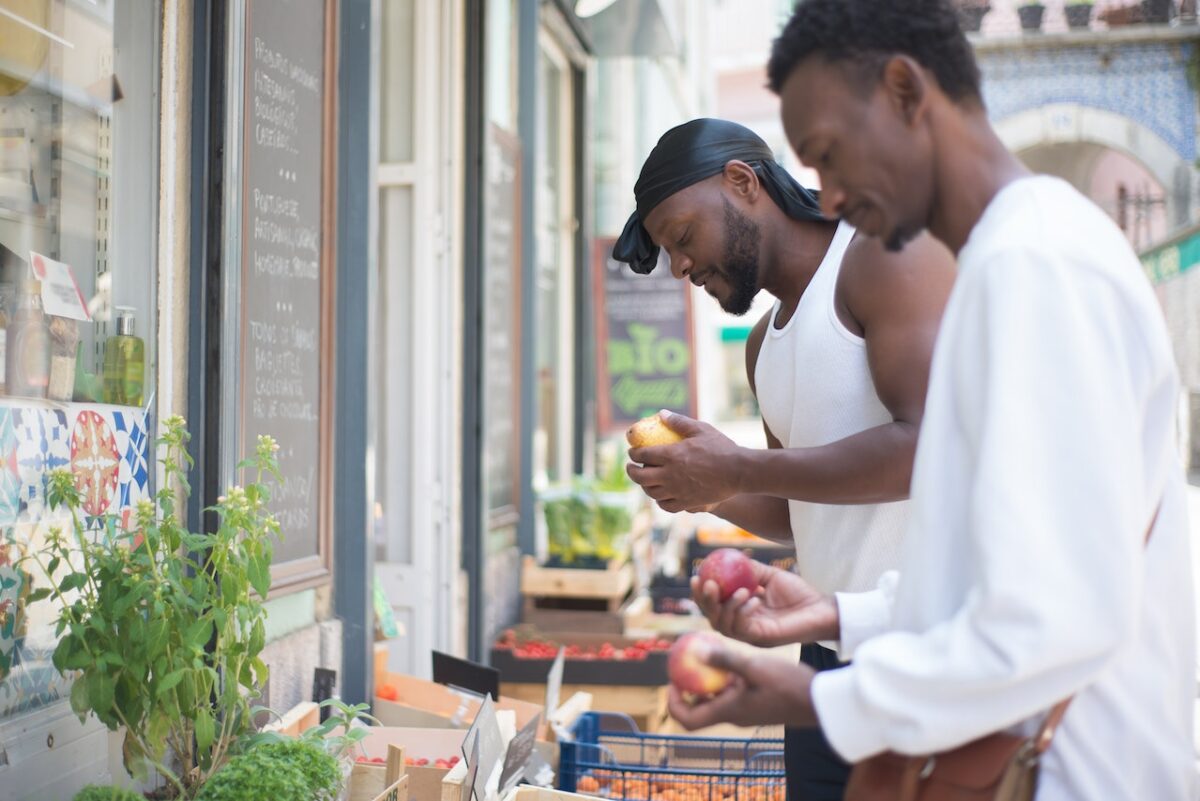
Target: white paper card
{"type": "Point", "coordinates": [60, 294]}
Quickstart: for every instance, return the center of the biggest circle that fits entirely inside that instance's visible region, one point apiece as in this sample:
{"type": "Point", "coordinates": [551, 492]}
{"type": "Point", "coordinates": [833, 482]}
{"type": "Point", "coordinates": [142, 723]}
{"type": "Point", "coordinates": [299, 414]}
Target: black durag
{"type": "Point", "coordinates": [689, 153]}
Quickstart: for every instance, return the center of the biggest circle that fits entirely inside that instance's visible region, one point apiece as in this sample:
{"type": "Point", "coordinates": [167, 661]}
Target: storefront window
{"type": "Point", "coordinates": [555, 230]}
{"type": "Point", "coordinates": [78, 140]}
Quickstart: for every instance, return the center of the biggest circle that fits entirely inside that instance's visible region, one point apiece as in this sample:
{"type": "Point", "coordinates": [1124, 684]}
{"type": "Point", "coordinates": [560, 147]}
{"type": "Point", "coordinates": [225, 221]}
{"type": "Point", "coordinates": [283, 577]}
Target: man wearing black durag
{"type": "Point", "coordinates": [839, 367]}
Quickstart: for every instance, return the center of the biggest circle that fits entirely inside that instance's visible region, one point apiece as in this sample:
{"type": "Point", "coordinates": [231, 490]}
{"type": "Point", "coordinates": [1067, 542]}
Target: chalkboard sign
{"type": "Point", "coordinates": [502, 325]}
{"type": "Point", "coordinates": [287, 269]}
{"type": "Point", "coordinates": [644, 336]}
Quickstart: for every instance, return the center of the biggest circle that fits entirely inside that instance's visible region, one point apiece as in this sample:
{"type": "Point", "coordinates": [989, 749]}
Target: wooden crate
{"type": "Point", "coordinates": [388, 782]}
{"type": "Point", "coordinates": [646, 705]}
{"type": "Point", "coordinates": [640, 620]}
{"type": "Point", "coordinates": [611, 586]}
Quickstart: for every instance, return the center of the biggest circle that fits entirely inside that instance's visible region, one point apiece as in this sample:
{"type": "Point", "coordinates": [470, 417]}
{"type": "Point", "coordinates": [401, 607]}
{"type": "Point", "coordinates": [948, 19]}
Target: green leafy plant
{"type": "Point", "coordinates": [162, 628]}
{"type": "Point", "coordinates": [283, 770]}
{"type": "Point", "coordinates": [94, 792]}
{"type": "Point", "coordinates": [336, 735]}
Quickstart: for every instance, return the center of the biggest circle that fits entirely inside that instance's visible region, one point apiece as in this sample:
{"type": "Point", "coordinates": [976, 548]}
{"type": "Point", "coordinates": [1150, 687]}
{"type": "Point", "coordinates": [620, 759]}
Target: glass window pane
{"type": "Point", "coordinates": [397, 80]}
{"type": "Point", "coordinates": [78, 195]}
{"type": "Point", "coordinates": [500, 55]}
{"type": "Point", "coordinates": [393, 350]}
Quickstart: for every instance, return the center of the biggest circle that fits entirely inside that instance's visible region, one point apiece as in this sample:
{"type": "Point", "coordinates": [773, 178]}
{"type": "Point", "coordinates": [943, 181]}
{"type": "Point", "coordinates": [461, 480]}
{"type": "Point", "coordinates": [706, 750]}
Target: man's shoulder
{"type": "Point", "coordinates": [872, 276]}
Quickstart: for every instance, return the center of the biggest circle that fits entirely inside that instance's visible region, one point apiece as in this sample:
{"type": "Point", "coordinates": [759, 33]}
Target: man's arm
{"type": "Point", "coordinates": [897, 300]}
{"type": "Point", "coordinates": [1052, 511]}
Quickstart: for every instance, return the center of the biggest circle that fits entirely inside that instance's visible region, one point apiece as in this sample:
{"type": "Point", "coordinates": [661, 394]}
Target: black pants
{"type": "Point", "coordinates": [814, 770]}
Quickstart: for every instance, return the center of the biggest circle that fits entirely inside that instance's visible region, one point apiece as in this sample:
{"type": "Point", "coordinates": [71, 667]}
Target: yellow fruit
{"type": "Point", "coordinates": [651, 431]}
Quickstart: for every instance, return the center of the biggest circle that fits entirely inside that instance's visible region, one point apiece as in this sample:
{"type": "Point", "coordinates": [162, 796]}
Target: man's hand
{"type": "Point", "coordinates": [694, 475]}
{"type": "Point", "coordinates": [763, 691]}
{"type": "Point", "coordinates": [784, 610]}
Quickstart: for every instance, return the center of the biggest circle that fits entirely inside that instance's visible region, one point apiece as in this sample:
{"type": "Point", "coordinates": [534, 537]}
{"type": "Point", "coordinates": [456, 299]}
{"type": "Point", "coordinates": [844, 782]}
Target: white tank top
{"type": "Point", "coordinates": [814, 387]}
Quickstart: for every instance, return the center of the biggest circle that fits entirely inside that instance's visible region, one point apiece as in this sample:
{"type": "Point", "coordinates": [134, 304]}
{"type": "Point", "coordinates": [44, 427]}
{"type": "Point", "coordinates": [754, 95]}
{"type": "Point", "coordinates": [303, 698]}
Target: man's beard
{"type": "Point", "coordinates": [741, 260]}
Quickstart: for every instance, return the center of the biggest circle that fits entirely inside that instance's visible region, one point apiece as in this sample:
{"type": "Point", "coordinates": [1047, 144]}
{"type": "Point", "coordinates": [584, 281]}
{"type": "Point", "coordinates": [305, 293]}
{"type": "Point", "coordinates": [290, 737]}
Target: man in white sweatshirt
{"type": "Point", "coordinates": [839, 367]}
{"type": "Point", "coordinates": [1046, 454]}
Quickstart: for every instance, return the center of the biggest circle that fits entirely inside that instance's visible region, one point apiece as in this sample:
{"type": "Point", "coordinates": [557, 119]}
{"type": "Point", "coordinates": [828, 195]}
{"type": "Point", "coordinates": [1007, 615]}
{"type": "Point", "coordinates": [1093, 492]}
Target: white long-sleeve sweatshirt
{"type": "Point", "coordinates": [1046, 446]}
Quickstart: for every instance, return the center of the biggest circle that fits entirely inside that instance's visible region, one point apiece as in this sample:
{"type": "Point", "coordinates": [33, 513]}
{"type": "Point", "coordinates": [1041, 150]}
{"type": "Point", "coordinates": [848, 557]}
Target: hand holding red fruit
{"type": "Point", "coordinates": [731, 570]}
{"type": "Point", "coordinates": [694, 475]}
{"type": "Point", "coordinates": [688, 668]}
{"type": "Point", "coordinates": [760, 691]}
{"type": "Point", "coordinates": [784, 610]}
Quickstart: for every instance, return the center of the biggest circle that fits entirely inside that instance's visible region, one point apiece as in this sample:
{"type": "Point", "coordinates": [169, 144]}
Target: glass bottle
{"type": "Point", "coordinates": [124, 363]}
{"type": "Point", "coordinates": [27, 356]}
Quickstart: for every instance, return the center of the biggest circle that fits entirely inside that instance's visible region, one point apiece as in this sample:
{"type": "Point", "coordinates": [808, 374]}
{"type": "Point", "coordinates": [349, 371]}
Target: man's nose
{"type": "Point", "coordinates": [833, 200]}
{"type": "Point", "coordinates": [681, 266]}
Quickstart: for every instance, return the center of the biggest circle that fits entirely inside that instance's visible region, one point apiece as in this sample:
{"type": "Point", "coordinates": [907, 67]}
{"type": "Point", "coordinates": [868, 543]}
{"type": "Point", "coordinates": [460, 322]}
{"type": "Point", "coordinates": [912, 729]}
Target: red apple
{"type": "Point", "coordinates": [730, 569]}
{"type": "Point", "coordinates": [687, 670]}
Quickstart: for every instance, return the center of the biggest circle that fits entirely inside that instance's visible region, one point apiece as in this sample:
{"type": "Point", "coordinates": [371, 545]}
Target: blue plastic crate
{"type": "Point", "coordinates": [608, 757]}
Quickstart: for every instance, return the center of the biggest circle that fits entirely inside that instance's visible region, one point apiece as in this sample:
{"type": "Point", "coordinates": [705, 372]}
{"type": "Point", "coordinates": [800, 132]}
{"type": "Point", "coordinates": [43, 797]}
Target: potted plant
{"type": "Point", "coordinates": [971, 14]}
{"type": "Point", "coordinates": [1119, 16]}
{"type": "Point", "coordinates": [162, 628]}
{"type": "Point", "coordinates": [1079, 14]}
{"type": "Point", "coordinates": [1156, 12]}
{"type": "Point", "coordinates": [1031, 16]}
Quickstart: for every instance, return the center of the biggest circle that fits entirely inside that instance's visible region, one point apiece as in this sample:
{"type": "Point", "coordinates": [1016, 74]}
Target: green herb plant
{"type": "Point", "coordinates": [283, 770]}
{"type": "Point", "coordinates": [95, 792]}
{"type": "Point", "coordinates": [337, 734]}
{"type": "Point", "coordinates": [162, 628]}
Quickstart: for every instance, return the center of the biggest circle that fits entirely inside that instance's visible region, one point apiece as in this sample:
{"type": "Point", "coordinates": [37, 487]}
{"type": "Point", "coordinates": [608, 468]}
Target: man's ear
{"type": "Point", "coordinates": [908, 88]}
{"type": "Point", "coordinates": [741, 179]}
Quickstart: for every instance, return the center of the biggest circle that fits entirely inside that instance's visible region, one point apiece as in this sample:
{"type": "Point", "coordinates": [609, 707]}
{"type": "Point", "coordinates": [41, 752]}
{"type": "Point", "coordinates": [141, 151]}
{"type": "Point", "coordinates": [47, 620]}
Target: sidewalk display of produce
{"type": "Point", "coordinates": [588, 521]}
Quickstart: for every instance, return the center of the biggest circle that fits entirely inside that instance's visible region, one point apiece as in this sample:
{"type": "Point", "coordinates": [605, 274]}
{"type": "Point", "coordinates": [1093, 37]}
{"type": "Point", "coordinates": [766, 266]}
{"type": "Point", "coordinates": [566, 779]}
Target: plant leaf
{"type": "Point", "coordinates": [205, 729]}
{"type": "Point", "coordinates": [39, 595]}
{"type": "Point", "coordinates": [79, 697]}
{"type": "Point", "coordinates": [169, 682]}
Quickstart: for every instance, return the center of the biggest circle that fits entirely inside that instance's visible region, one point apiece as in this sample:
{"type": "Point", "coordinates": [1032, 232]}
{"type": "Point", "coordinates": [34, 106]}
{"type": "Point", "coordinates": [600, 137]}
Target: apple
{"type": "Point", "coordinates": [651, 431]}
{"type": "Point", "coordinates": [730, 569]}
{"type": "Point", "coordinates": [688, 671]}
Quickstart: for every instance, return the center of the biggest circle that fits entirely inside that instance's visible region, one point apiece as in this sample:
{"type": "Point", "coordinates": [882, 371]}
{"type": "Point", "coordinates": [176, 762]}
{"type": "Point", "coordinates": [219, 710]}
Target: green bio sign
{"type": "Point", "coordinates": [644, 330]}
{"type": "Point", "coordinates": [649, 371]}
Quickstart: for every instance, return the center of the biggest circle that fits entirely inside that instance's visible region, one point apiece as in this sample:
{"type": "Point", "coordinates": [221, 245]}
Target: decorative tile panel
{"type": "Point", "coordinates": [1143, 81]}
{"type": "Point", "coordinates": [108, 450]}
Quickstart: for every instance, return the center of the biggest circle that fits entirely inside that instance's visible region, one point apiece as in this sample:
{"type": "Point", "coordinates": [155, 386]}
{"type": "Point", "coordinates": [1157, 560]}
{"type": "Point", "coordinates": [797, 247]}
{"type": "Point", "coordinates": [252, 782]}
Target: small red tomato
{"type": "Point", "coordinates": [379, 761]}
{"type": "Point", "coordinates": [422, 762]}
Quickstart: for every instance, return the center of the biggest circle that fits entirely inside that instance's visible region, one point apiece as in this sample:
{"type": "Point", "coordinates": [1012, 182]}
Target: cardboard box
{"type": "Point", "coordinates": [530, 793]}
{"type": "Point", "coordinates": [424, 704]}
{"type": "Point", "coordinates": [648, 672]}
{"type": "Point", "coordinates": [424, 783]}
{"type": "Point", "coordinates": [431, 783]}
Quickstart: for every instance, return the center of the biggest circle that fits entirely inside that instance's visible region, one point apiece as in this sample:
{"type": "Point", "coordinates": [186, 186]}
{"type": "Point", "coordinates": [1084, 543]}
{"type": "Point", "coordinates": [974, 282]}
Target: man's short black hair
{"type": "Point", "coordinates": [866, 33]}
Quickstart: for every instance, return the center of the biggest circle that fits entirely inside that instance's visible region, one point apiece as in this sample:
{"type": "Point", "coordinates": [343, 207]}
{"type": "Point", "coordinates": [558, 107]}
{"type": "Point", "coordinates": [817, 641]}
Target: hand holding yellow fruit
{"type": "Point", "coordinates": [650, 431]}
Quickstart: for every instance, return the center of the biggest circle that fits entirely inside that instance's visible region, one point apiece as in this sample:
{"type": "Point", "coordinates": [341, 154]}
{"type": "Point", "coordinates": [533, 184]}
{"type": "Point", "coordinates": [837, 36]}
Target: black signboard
{"type": "Point", "coordinates": [644, 342]}
{"type": "Point", "coordinates": [287, 268]}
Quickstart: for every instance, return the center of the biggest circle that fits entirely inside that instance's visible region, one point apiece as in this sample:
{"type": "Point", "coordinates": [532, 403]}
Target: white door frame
{"type": "Point", "coordinates": [423, 449]}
